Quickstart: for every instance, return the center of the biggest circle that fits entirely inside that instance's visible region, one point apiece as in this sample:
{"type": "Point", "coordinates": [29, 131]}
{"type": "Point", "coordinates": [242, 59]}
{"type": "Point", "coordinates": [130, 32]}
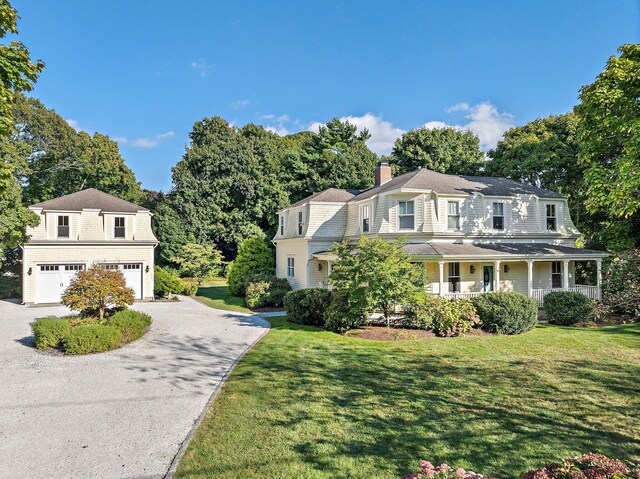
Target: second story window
{"type": "Point", "coordinates": [63, 226]}
{"type": "Point", "coordinates": [282, 226]}
{"type": "Point", "coordinates": [300, 223]}
{"type": "Point", "coordinates": [498, 216]}
{"type": "Point", "coordinates": [453, 215]}
{"type": "Point", "coordinates": [118, 229]}
{"type": "Point", "coordinates": [551, 217]}
{"type": "Point", "coordinates": [406, 215]}
{"type": "Point", "coordinates": [365, 214]}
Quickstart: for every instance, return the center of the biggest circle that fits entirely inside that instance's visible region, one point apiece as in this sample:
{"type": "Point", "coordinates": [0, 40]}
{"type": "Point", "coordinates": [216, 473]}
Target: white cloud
{"type": "Point", "coordinates": [277, 125]}
{"type": "Point", "coordinates": [145, 142]}
{"type": "Point", "coordinates": [201, 66]}
{"type": "Point", "coordinates": [383, 133]}
{"type": "Point", "coordinates": [485, 121]}
{"type": "Point", "coordinates": [236, 105]}
{"type": "Point", "coordinates": [270, 116]}
{"type": "Point", "coordinates": [73, 124]}
{"type": "Point", "coordinates": [278, 130]}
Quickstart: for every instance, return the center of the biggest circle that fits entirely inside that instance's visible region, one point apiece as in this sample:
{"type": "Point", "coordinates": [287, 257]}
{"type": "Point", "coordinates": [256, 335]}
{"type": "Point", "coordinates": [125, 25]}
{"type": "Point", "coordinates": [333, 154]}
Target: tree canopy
{"type": "Point", "coordinates": [445, 150]}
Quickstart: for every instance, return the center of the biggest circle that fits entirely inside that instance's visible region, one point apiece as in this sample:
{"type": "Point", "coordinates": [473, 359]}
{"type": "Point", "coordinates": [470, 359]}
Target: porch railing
{"type": "Point", "coordinates": [591, 292]}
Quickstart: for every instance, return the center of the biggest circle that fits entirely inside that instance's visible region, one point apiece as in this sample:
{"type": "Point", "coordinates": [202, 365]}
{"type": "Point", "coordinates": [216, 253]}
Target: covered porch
{"type": "Point", "coordinates": [467, 270]}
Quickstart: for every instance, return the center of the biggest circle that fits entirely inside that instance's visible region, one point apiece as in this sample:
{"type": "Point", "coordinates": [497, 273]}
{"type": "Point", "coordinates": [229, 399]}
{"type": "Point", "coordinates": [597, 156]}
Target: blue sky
{"type": "Point", "coordinates": [144, 71]}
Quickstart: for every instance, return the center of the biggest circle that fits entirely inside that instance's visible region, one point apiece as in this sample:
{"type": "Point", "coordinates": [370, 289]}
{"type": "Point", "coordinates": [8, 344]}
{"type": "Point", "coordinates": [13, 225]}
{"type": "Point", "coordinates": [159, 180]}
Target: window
{"type": "Point", "coordinates": [556, 274]}
{"type": "Point", "coordinates": [454, 277]}
{"type": "Point", "coordinates": [300, 223]}
{"type": "Point", "coordinates": [49, 267]}
{"type": "Point", "coordinates": [453, 215]}
{"type": "Point", "coordinates": [282, 226]}
{"type": "Point", "coordinates": [551, 217]}
{"type": "Point", "coordinates": [63, 226]}
{"type": "Point", "coordinates": [406, 215]}
{"type": "Point", "coordinates": [498, 216]}
{"type": "Point", "coordinates": [291, 267]}
{"type": "Point", "coordinates": [73, 267]}
{"type": "Point", "coordinates": [365, 214]}
{"type": "Point", "coordinates": [118, 230]}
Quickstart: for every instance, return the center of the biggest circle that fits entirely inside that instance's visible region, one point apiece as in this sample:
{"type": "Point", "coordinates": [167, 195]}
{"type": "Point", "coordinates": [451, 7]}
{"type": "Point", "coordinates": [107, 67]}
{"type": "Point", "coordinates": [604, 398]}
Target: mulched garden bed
{"type": "Point", "coordinates": [382, 333]}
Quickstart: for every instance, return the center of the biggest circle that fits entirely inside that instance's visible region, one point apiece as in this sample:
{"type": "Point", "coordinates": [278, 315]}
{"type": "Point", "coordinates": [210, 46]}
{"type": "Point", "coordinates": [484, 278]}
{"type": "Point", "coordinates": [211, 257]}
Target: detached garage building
{"type": "Point", "coordinates": [81, 229]}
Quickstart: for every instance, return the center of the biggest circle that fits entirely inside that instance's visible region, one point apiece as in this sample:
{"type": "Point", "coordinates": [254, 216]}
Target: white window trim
{"type": "Point", "coordinates": [561, 273]}
{"type": "Point", "coordinates": [400, 215]}
{"type": "Point", "coordinates": [459, 276]}
{"type": "Point", "coordinates": [555, 217]}
{"type": "Point", "coordinates": [58, 226]}
{"type": "Point", "coordinates": [113, 232]}
{"type": "Point", "coordinates": [300, 223]}
{"type": "Point", "coordinates": [362, 217]}
{"type": "Point", "coordinates": [291, 266]}
{"type": "Point", "coordinates": [281, 226]}
{"type": "Point", "coordinates": [459, 215]}
{"type": "Point", "coordinates": [493, 215]}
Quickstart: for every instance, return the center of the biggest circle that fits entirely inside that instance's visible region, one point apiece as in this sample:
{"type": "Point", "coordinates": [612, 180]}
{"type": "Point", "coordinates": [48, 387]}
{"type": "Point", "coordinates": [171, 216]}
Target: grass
{"type": "Point", "coordinates": [214, 293]}
{"type": "Point", "coordinates": [306, 403]}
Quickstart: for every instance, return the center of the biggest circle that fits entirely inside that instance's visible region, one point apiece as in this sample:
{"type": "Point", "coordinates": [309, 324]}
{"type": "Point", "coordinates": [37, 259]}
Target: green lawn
{"type": "Point", "coordinates": [214, 293]}
{"type": "Point", "coordinates": [306, 403]}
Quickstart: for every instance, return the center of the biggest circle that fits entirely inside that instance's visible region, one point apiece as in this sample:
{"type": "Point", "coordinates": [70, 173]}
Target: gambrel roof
{"type": "Point", "coordinates": [89, 199]}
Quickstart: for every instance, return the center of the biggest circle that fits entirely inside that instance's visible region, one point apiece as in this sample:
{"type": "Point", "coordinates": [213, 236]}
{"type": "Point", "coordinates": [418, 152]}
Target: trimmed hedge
{"type": "Point", "coordinates": [131, 324]}
{"type": "Point", "coordinates": [341, 316]}
{"type": "Point", "coordinates": [308, 306]}
{"type": "Point", "coordinates": [189, 287]}
{"type": "Point", "coordinates": [166, 282]}
{"type": "Point", "coordinates": [266, 290]}
{"type": "Point", "coordinates": [92, 338]}
{"type": "Point", "coordinates": [506, 312]}
{"type": "Point", "coordinates": [567, 307]}
{"type": "Point", "coordinates": [50, 332]}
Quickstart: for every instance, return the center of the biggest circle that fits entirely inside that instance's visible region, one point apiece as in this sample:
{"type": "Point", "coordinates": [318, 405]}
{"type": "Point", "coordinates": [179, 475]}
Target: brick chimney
{"type": "Point", "coordinates": [383, 173]}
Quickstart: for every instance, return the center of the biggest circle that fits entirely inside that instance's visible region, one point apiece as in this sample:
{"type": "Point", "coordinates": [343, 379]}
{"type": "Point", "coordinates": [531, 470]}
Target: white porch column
{"type": "Point", "coordinates": [497, 276]}
{"type": "Point", "coordinates": [599, 273]}
{"type": "Point", "coordinates": [441, 278]}
{"type": "Point", "coordinates": [529, 278]}
{"type": "Point", "coordinates": [565, 274]}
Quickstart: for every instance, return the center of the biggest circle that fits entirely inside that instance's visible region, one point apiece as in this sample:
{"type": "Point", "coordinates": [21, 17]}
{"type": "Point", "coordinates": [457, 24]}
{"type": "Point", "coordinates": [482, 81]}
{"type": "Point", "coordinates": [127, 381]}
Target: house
{"type": "Point", "coordinates": [473, 234]}
{"type": "Point", "coordinates": [79, 230]}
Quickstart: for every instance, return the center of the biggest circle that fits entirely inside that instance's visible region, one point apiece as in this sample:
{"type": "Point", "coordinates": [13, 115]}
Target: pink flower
{"type": "Point", "coordinates": [426, 465]}
{"type": "Point", "coordinates": [461, 472]}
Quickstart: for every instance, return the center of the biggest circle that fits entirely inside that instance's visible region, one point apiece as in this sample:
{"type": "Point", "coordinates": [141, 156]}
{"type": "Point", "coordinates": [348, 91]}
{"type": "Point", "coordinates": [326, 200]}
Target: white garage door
{"type": "Point", "coordinates": [52, 280]}
{"type": "Point", "coordinates": [132, 274]}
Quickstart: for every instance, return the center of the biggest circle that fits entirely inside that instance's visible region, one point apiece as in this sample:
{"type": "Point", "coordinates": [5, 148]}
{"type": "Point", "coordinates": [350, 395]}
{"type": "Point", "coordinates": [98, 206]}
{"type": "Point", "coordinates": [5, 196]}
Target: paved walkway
{"type": "Point", "coordinates": [120, 414]}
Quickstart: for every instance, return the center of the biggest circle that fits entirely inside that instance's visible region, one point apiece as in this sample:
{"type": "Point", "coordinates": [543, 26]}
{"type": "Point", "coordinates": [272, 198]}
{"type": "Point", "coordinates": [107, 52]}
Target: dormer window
{"type": "Point", "coordinates": [365, 214]}
{"type": "Point", "coordinates": [406, 215]}
{"type": "Point", "coordinates": [118, 229]}
{"type": "Point", "coordinates": [63, 226]}
{"type": "Point", "coordinates": [300, 223]}
{"type": "Point", "coordinates": [282, 226]}
{"type": "Point", "coordinates": [498, 216]}
{"type": "Point", "coordinates": [551, 218]}
{"type": "Point", "coordinates": [453, 215]}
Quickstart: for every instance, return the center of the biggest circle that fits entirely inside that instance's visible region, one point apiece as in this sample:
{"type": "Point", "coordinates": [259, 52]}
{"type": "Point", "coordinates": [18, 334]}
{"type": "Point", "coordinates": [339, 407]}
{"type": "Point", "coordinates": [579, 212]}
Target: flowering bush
{"type": "Point", "coordinates": [587, 466]}
{"type": "Point", "coordinates": [443, 471]}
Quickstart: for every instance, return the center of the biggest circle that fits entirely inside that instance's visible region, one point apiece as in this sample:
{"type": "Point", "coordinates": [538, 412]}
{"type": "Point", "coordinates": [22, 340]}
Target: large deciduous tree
{"type": "Point", "coordinates": [198, 261]}
{"type": "Point", "coordinates": [445, 150]}
{"type": "Point", "coordinates": [609, 137]}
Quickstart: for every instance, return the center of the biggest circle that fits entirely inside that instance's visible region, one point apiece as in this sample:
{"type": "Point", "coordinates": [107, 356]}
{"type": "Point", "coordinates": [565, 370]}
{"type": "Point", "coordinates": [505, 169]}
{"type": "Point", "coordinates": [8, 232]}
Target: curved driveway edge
{"type": "Point", "coordinates": [120, 414]}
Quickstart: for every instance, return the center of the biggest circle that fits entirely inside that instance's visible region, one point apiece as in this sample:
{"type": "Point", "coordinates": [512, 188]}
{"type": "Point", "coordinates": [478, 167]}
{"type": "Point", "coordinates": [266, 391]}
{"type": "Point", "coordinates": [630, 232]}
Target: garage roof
{"type": "Point", "coordinates": [89, 199]}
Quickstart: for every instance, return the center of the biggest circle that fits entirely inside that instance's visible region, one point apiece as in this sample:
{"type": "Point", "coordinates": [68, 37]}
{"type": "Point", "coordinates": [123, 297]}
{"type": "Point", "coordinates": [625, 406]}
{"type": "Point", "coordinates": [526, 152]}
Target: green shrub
{"type": "Point", "coordinates": [506, 312]}
{"type": "Point", "coordinates": [342, 314]}
{"type": "Point", "coordinates": [254, 258]}
{"type": "Point", "coordinates": [188, 287]}
{"type": "Point", "coordinates": [567, 307]}
{"type": "Point", "coordinates": [50, 332]}
{"type": "Point", "coordinates": [166, 282]}
{"type": "Point", "coordinates": [442, 316]}
{"type": "Point", "coordinates": [419, 311]}
{"type": "Point", "coordinates": [266, 290]}
{"type": "Point", "coordinates": [132, 324]}
{"type": "Point", "coordinates": [93, 338]}
{"type": "Point", "coordinates": [308, 306]}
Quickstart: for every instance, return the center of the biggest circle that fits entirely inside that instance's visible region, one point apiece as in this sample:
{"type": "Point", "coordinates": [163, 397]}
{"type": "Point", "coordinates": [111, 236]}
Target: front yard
{"type": "Point", "coordinates": [312, 404]}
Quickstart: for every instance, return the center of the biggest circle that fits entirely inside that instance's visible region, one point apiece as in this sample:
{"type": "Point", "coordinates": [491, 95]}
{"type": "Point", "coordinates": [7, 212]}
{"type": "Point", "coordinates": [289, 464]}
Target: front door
{"type": "Point", "coordinates": [487, 278]}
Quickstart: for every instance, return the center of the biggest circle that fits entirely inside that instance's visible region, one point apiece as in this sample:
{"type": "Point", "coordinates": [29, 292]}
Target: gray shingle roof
{"type": "Point", "coordinates": [330, 195]}
{"type": "Point", "coordinates": [90, 199]}
{"type": "Point", "coordinates": [425, 179]}
{"type": "Point", "coordinates": [495, 249]}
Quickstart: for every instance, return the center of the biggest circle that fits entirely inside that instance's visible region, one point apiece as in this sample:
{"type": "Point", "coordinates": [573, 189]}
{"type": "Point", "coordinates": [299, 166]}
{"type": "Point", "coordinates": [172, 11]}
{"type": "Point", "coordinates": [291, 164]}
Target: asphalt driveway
{"type": "Point", "coordinates": [120, 414]}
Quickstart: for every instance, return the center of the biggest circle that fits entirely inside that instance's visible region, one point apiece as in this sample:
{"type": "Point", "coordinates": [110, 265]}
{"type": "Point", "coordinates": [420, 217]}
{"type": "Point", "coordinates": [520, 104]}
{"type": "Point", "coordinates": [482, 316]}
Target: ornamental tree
{"type": "Point", "coordinates": [378, 275]}
{"type": "Point", "coordinates": [198, 261]}
{"type": "Point", "coordinates": [254, 258]}
{"type": "Point", "coordinates": [96, 289]}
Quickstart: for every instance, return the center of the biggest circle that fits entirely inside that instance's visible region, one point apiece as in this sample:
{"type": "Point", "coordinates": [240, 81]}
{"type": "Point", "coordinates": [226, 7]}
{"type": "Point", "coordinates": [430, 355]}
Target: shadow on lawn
{"type": "Point", "coordinates": [499, 417]}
